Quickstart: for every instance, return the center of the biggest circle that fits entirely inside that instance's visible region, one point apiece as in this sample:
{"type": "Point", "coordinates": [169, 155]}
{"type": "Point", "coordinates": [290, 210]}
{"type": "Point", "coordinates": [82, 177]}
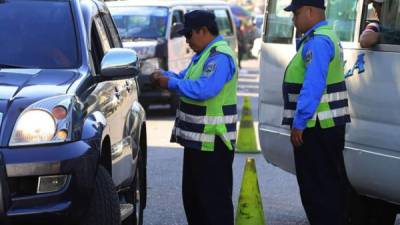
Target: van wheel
{"type": "Point", "coordinates": [136, 196]}
{"type": "Point", "coordinates": [369, 211]}
{"type": "Point", "coordinates": [104, 204]}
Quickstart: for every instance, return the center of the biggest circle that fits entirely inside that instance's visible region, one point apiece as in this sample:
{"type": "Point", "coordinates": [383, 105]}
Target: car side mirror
{"type": "Point", "coordinates": [119, 63]}
{"type": "Point", "coordinates": [175, 28]}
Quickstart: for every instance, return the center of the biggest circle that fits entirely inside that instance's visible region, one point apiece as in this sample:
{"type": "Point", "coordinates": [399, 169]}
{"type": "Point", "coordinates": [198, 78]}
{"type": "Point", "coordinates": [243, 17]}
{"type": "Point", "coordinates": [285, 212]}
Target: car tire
{"type": "Point", "coordinates": [136, 196]}
{"type": "Point", "coordinates": [104, 208]}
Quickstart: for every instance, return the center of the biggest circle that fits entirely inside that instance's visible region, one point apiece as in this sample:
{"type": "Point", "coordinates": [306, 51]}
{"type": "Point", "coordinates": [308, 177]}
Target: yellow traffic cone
{"type": "Point", "coordinates": [250, 209]}
{"type": "Point", "coordinates": [246, 141]}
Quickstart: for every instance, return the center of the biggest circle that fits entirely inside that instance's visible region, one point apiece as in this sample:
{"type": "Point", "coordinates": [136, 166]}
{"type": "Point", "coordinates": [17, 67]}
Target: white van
{"type": "Point", "coordinates": [146, 26]}
{"type": "Point", "coordinates": [372, 150]}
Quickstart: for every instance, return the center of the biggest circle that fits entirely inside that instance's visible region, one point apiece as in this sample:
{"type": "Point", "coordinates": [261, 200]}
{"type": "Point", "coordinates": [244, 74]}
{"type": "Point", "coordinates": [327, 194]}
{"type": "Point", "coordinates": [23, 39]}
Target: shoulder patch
{"type": "Point", "coordinates": [308, 57]}
{"type": "Point", "coordinates": [209, 69]}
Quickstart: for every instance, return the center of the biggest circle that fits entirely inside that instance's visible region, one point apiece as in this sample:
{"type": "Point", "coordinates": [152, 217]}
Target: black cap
{"type": "Point", "coordinates": [196, 19]}
{"type": "Point", "coordinates": [299, 3]}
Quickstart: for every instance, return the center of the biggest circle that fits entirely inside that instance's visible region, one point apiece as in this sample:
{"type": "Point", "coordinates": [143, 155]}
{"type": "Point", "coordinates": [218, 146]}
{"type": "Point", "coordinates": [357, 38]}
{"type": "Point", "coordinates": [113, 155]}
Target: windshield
{"type": "Point", "coordinates": [140, 22]}
{"type": "Point", "coordinates": [37, 34]}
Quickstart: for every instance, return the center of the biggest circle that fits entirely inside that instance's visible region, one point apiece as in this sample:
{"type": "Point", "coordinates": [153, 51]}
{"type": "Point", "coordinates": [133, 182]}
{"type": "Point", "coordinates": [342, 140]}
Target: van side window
{"type": "Point", "coordinates": [390, 23]}
{"type": "Point", "coordinates": [279, 26]}
{"type": "Point", "coordinates": [177, 17]}
{"type": "Point", "coordinates": [341, 15]}
{"type": "Point", "coordinates": [223, 22]}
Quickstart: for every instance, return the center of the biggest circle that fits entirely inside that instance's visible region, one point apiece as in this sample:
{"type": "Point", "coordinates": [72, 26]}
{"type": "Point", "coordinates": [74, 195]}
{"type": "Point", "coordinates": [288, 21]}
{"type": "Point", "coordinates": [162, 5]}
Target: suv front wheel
{"type": "Point", "coordinates": [104, 208]}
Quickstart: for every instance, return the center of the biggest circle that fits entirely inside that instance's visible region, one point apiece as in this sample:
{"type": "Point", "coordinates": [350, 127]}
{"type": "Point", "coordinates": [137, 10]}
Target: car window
{"type": "Point", "coordinates": [102, 35]}
{"type": "Point", "coordinates": [112, 31]}
{"type": "Point", "coordinates": [42, 37]}
{"type": "Point", "coordinates": [279, 26]}
{"type": "Point", "coordinates": [177, 17]}
{"type": "Point", "coordinates": [140, 22]}
{"type": "Point", "coordinates": [390, 22]}
{"type": "Point", "coordinates": [99, 43]}
{"type": "Point", "coordinates": [96, 53]}
{"type": "Point", "coordinates": [341, 16]}
{"type": "Point", "coordinates": [223, 22]}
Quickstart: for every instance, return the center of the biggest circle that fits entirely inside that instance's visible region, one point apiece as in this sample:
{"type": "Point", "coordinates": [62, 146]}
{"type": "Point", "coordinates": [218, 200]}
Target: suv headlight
{"type": "Point", "coordinates": [148, 66]}
{"type": "Point", "coordinates": [46, 121]}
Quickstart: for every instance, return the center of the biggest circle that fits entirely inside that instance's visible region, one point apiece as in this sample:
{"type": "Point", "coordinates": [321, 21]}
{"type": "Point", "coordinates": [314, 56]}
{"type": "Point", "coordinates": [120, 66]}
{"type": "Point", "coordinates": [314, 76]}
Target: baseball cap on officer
{"type": "Point", "coordinates": [197, 19]}
{"type": "Point", "coordinates": [296, 4]}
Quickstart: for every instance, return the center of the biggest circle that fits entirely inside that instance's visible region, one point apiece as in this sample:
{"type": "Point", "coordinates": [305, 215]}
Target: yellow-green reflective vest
{"type": "Point", "coordinates": [198, 123]}
{"type": "Point", "coordinates": [333, 107]}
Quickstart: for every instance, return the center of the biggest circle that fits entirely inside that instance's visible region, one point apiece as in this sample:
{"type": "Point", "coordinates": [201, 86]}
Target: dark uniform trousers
{"type": "Point", "coordinates": [207, 185]}
{"type": "Point", "coordinates": [321, 175]}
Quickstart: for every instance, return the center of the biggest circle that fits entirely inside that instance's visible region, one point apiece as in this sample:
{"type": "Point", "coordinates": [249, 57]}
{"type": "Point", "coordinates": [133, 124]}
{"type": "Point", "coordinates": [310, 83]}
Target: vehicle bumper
{"type": "Point", "coordinates": [22, 168]}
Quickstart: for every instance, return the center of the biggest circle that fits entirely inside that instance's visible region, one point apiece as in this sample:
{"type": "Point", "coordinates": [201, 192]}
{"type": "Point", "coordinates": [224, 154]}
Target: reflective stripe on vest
{"type": "Point", "coordinates": [325, 98]}
{"type": "Point", "coordinates": [206, 119]}
{"type": "Point", "coordinates": [201, 137]}
{"type": "Point", "coordinates": [334, 113]}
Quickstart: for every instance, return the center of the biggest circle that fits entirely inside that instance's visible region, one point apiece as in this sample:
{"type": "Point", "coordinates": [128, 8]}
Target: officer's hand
{"type": "Point", "coordinates": [163, 82]}
{"type": "Point", "coordinates": [296, 137]}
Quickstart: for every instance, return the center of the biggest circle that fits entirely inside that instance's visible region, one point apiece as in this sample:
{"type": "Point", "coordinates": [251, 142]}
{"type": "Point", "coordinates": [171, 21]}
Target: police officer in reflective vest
{"type": "Point", "coordinates": [316, 109]}
{"type": "Point", "coordinates": [206, 120]}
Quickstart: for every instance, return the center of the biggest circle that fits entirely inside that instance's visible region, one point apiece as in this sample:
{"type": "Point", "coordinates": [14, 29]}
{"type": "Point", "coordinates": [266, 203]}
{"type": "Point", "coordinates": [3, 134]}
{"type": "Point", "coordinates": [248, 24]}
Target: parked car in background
{"type": "Point", "coordinates": [246, 31]}
{"type": "Point", "coordinates": [73, 134]}
{"type": "Point", "coordinates": [147, 27]}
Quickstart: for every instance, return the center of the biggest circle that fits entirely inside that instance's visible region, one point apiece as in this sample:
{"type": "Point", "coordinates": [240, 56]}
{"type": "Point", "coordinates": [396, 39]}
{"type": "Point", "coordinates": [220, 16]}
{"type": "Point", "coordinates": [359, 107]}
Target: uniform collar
{"type": "Point", "coordinates": [316, 26]}
{"type": "Point", "coordinates": [309, 32]}
{"type": "Point", "coordinates": [198, 55]}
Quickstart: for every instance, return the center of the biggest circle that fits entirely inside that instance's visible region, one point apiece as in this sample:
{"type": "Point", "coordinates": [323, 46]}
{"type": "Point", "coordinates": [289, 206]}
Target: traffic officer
{"type": "Point", "coordinates": [316, 109]}
{"type": "Point", "coordinates": [206, 120]}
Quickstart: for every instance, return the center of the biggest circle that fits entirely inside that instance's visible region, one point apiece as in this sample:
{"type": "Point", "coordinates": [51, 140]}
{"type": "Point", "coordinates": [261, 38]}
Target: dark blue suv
{"type": "Point", "coordinates": [72, 134]}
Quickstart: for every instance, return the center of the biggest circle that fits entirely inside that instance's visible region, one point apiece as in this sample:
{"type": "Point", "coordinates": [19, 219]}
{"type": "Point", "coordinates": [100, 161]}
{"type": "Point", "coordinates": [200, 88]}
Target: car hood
{"type": "Point", "coordinates": [34, 83]}
{"type": "Point", "coordinates": [144, 49]}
